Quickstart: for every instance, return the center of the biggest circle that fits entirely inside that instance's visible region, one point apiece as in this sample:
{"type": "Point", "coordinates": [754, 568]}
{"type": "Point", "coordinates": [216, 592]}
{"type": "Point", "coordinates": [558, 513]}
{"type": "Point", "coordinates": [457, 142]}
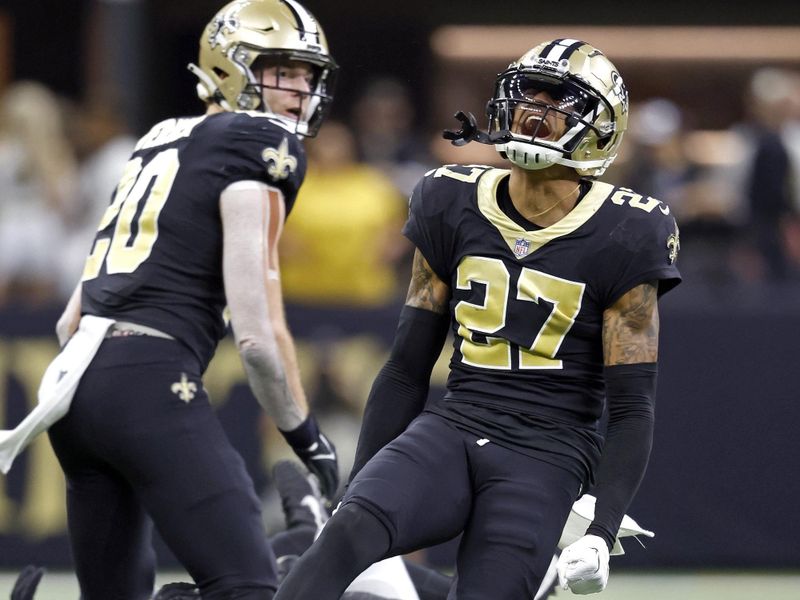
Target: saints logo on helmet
{"type": "Point", "coordinates": [563, 102]}
{"type": "Point", "coordinates": [246, 35]}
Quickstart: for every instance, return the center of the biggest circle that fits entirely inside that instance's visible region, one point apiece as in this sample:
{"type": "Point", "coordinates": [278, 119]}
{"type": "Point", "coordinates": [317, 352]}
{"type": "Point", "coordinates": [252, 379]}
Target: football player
{"type": "Point", "coordinates": [549, 281]}
{"type": "Point", "coordinates": [193, 228]}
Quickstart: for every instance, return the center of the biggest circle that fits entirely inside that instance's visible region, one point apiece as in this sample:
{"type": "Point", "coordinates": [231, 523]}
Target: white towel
{"type": "Point", "coordinates": [57, 388]}
{"type": "Point", "coordinates": [582, 515]}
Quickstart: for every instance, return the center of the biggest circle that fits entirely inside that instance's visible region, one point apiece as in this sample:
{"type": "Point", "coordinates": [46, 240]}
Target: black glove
{"type": "Point", "coordinates": [27, 582]}
{"type": "Point", "coordinates": [317, 453]}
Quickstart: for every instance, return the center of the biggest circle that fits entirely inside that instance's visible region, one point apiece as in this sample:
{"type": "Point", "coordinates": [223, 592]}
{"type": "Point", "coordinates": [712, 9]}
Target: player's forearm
{"type": "Point", "coordinates": [268, 381]}
{"type": "Point", "coordinates": [630, 390]}
{"type": "Point", "coordinates": [400, 390]}
{"type": "Point", "coordinates": [288, 355]}
{"type": "Point", "coordinates": [394, 401]}
{"type": "Point", "coordinates": [285, 342]}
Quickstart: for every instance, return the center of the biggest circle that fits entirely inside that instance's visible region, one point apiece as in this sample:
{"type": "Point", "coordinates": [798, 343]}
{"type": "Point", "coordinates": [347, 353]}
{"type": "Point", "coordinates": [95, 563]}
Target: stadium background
{"type": "Point", "coordinates": [721, 489]}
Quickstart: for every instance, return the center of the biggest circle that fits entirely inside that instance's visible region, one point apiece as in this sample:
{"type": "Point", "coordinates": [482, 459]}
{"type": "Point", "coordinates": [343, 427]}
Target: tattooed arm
{"type": "Point", "coordinates": [426, 289]}
{"type": "Point", "coordinates": [630, 327]}
{"type": "Point", "coordinates": [630, 349]}
{"type": "Point", "coordinates": [400, 390]}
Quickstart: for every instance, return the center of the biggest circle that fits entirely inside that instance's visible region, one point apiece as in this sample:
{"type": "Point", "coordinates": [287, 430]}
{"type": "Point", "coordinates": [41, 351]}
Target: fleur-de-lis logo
{"type": "Point", "coordinates": [619, 90]}
{"type": "Point", "coordinates": [673, 245]}
{"type": "Point", "coordinates": [227, 22]}
{"type": "Point", "coordinates": [280, 164]}
{"type": "Point", "coordinates": [184, 388]}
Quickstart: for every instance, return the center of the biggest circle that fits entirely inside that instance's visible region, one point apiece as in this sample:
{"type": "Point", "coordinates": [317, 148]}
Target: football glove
{"type": "Point", "coordinates": [583, 566]}
{"type": "Point", "coordinates": [317, 453]}
{"type": "Point", "coordinates": [26, 583]}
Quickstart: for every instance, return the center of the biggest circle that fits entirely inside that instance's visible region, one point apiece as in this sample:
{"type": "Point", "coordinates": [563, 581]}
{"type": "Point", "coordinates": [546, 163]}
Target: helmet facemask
{"type": "Point", "coordinates": [313, 104]}
{"type": "Point", "coordinates": [545, 118]}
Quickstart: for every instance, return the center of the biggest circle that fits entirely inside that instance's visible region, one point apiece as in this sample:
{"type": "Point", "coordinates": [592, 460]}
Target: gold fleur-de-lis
{"type": "Point", "coordinates": [280, 164]}
{"type": "Point", "coordinates": [673, 245]}
{"type": "Point", "coordinates": [184, 388]}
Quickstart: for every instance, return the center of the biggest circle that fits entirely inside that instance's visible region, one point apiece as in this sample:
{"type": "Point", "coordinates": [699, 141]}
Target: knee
{"type": "Point", "coordinates": [353, 528]}
{"type": "Point", "coordinates": [351, 522]}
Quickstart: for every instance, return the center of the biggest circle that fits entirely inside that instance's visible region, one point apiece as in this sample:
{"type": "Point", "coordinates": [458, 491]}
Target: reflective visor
{"type": "Point", "coordinates": [565, 96]}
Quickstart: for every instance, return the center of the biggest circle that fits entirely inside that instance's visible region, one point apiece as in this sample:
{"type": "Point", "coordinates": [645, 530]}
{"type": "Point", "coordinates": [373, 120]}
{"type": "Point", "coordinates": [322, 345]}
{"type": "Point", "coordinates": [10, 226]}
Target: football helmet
{"type": "Point", "coordinates": [563, 102]}
{"type": "Point", "coordinates": [247, 35]}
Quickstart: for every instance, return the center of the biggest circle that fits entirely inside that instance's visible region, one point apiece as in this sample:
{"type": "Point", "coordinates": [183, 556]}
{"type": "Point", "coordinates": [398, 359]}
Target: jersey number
{"type": "Point", "coordinates": [151, 184]}
{"type": "Point", "coordinates": [490, 317]}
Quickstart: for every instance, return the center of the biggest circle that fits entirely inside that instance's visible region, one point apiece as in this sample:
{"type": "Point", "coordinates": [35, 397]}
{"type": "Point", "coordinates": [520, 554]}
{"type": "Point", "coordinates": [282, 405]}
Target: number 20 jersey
{"type": "Point", "coordinates": [527, 304]}
{"type": "Point", "coordinates": [157, 256]}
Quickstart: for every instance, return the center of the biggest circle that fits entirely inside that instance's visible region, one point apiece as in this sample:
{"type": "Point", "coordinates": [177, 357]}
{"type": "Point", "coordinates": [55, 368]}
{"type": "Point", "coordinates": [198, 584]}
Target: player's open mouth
{"type": "Point", "coordinates": [537, 127]}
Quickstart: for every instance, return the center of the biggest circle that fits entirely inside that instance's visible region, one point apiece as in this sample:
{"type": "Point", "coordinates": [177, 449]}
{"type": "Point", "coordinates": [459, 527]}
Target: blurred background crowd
{"type": "Point", "coordinates": [714, 132]}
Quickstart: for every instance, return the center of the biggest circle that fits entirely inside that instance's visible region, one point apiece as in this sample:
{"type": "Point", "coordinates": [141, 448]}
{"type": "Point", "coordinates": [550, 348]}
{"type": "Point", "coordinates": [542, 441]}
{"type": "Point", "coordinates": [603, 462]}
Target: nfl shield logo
{"type": "Point", "coordinates": [521, 247]}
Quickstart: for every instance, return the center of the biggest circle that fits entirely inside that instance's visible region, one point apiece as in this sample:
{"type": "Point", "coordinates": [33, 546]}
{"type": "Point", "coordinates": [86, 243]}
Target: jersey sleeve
{"type": "Point", "coordinates": [262, 150]}
{"type": "Point", "coordinates": [644, 248]}
{"type": "Point", "coordinates": [427, 227]}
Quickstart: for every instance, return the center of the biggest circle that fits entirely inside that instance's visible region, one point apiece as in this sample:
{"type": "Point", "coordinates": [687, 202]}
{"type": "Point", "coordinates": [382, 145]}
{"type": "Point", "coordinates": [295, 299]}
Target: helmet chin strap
{"type": "Point", "coordinates": [532, 157]}
{"type": "Point", "coordinates": [528, 156]}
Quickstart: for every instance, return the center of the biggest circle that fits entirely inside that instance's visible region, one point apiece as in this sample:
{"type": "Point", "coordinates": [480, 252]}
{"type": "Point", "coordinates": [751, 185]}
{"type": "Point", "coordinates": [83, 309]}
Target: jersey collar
{"type": "Point", "coordinates": [513, 233]}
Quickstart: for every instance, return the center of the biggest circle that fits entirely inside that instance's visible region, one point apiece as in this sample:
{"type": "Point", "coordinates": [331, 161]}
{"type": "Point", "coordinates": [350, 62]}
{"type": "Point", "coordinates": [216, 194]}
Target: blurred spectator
{"type": "Point", "coordinates": [103, 145]}
{"type": "Point", "coordinates": [769, 185]}
{"type": "Point", "coordinates": [790, 133]}
{"type": "Point", "coordinates": [386, 133]}
{"type": "Point", "coordinates": [659, 164]}
{"type": "Point", "coordinates": [342, 239]}
{"type": "Point", "coordinates": [38, 181]}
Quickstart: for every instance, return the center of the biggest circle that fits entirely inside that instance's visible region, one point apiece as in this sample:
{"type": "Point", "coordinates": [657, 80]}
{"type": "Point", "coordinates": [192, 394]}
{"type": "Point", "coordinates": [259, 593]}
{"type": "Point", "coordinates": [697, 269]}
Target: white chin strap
{"type": "Point", "coordinates": [533, 157]}
{"type": "Point", "coordinates": [529, 156]}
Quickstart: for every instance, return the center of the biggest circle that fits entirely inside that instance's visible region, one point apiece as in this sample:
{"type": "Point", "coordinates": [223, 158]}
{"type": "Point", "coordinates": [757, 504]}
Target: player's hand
{"type": "Point", "coordinates": [583, 566]}
{"type": "Point", "coordinates": [317, 453]}
{"type": "Point", "coordinates": [320, 458]}
{"type": "Point", "coordinates": [26, 583]}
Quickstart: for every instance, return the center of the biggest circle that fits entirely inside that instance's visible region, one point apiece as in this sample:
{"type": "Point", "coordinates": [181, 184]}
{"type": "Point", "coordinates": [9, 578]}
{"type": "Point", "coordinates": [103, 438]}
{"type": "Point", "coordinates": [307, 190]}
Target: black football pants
{"type": "Point", "coordinates": [142, 442]}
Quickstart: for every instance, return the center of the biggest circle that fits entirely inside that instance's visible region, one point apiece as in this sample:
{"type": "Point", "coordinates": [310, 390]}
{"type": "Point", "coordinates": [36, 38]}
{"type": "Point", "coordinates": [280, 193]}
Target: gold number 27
{"type": "Point", "coordinates": [120, 253]}
{"type": "Point", "coordinates": [490, 317]}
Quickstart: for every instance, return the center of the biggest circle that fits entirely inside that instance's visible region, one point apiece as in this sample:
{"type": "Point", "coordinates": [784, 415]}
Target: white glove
{"type": "Point", "coordinates": [583, 566]}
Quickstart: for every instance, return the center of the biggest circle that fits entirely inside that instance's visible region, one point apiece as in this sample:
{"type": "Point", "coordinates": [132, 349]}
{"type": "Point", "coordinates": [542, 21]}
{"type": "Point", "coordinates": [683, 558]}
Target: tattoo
{"type": "Point", "coordinates": [426, 289]}
{"type": "Point", "coordinates": [630, 327]}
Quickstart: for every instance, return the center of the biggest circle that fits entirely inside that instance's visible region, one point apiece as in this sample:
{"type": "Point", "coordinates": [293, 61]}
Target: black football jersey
{"type": "Point", "coordinates": [157, 256]}
{"type": "Point", "coordinates": [527, 303]}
